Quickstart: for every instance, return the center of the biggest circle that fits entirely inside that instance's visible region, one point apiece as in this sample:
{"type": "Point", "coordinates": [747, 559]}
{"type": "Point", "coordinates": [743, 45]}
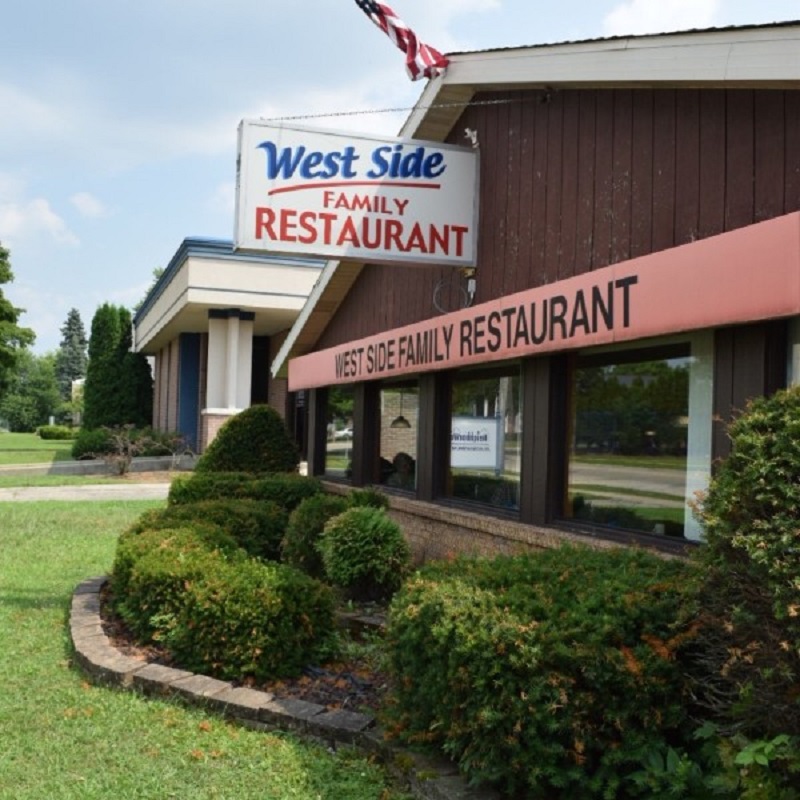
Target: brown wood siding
{"type": "Point", "coordinates": [574, 180]}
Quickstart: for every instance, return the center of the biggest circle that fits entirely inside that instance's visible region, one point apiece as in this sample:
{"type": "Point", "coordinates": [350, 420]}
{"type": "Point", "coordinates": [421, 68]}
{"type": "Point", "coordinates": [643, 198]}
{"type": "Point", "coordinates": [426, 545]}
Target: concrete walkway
{"type": "Point", "coordinates": [99, 491]}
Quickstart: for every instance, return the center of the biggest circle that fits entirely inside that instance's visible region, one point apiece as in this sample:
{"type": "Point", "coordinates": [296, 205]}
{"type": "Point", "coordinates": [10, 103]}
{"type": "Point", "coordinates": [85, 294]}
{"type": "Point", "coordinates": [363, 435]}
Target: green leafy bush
{"type": "Point", "coordinates": [364, 553]}
{"type": "Point", "coordinates": [286, 489]}
{"type": "Point", "coordinates": [90, 443]}
{"type": "Point", "coordinates": [57, 432]}
{"type": "Point", "coordinates": [252, 619]}
{"type": "Point", "coordinates": [550, 674]}
{"type": "Point", "coordinates": [256, 440]}
{"type": "Point", "coordinates": [306, 523]}
{"type": "Point", "coordinates": [369, 496]}
{"type": "Point", "coordinates": [746, 657]}
{"type": "Point", "coordinates": [257, 526]}
{"type": "Point", "coordinates": [151, 571]}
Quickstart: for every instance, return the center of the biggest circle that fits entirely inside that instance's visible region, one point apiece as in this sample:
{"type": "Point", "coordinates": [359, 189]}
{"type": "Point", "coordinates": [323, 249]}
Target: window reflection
{"type": "Point", "coordinates": [486, 425]}
{"type": "Point", "coordinates": [338, 452]}
{"type": "Point", "coordinates": [629, 437]}
{"type": "Point", "coordinates": [399, 412]}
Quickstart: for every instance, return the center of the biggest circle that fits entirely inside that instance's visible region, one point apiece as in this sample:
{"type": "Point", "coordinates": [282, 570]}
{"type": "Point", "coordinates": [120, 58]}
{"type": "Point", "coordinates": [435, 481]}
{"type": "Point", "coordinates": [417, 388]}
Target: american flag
{"type": "Point", "coordinates": [421, 60]}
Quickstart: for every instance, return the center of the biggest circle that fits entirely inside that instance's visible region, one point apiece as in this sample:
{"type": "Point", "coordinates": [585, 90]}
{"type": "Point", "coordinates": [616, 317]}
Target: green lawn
{"type": "Point", "coordinates": [62, 738]}
{"type": "Point", "coordinates": [28, 448]}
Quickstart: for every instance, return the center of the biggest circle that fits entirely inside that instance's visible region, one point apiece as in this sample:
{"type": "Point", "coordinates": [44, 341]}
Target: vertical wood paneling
{"type": "Point", "coordinates": [792, 152]}
{"type": "Point", "coordinates": [554, 187]}
{"type": "Point", "coordinates": [642, 174]}
{"type": "Point", "coordinates": [572, 180]}
{"type": "Point", "coordinates": [712, 163]}
{"type": "Point", "coordinates": [739, 160]}
{"type": "Point", "coordinates": [569, 192]}
{"type": "Point", "coordinates": [526, 231]}
{"type": "Point", "coordinates": [621, 182]}
{"type": "Point", "coordinates": [664, 169]}
{"type": "Point", "coordinates": [769, 155]}
{"type": "Point", "coordinates": [603, 179]}
{"type": "Point", "coordinates": [539, 206]}
{"type": "Point", "coordinates": [513, 185]}
{"type": "Point", "coordinates": [584, 231]}
{"type": "Point", "coordinates": [687, 166]}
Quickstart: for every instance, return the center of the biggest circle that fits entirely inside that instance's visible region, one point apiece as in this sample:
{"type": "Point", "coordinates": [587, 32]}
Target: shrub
{"type": "Point", "coordinates": [369, 496]}
{"type": "Point", "coordinates": [364, 553]}
{"type": "Point", "coordinates": [287, 489]}
{"type": "Point", "coordinates": [151, 571]}
{"type": "Point", "coordinates": [252, 619]}
{"type": "Point", "coordinates": [257, 527]}
{"type": "Point", "coordinates": [747, 656]}
{"type": "Point", "coordinates": [550, 674]}
{"type": "Point", "coordinates": [57, 432]}
{"type": "Point", "coordinates": [98, 442]}
{"type": "Point", "coordinates": [306, 523]}
{"type": "Point", "coordinates": [256, 440]}
{"type": "Point", "coordinates": [90, 443]}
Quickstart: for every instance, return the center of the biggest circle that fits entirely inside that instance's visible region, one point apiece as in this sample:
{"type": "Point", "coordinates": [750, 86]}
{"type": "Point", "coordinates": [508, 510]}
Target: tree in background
{"type": "Point", "coordinates": [71, 357]}
{"type": "Point", "coordinates": [32, 395]}
{"type": "Point", "coordinates": [119, 386]}
{"type": "Point", "coordinates": [13, 338]}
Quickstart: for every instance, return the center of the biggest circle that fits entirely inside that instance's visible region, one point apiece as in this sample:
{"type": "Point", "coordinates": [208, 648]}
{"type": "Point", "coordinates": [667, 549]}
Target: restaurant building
{"type": "Point", "coordinates": [636, 281]}
{"type": "Point", "coordinates": [212, 323]}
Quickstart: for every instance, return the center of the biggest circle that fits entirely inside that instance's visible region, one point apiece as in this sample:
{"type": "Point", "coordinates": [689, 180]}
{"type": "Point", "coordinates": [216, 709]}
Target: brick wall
{"type": "Point", "coordinates": [209, 427]}
{"type": "Point", "coordinates": [436, 532]}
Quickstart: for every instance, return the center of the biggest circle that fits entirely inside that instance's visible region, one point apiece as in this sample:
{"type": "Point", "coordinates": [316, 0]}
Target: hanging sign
{"type": "Point", "coordinates": [302, 191]}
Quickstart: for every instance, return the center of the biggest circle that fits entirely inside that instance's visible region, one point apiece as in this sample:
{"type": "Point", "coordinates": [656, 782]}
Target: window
{"type": "Point", "coordinates": [338, 452]}
{"type": "Point", "coordinates": [640, 437]}
{"type": "Point", "coordinates": [486, 426]}
{"type": "Point", "coordinates": [399, 406]}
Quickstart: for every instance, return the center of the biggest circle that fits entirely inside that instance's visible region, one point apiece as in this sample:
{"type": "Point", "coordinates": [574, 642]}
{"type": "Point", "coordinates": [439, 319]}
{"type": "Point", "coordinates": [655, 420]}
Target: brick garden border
{"type": "Point", "coordinates": [426, 778]}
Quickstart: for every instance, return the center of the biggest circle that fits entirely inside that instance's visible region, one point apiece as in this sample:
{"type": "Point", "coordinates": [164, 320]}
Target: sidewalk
{"type": "Point", "coordinates": [105, 491]}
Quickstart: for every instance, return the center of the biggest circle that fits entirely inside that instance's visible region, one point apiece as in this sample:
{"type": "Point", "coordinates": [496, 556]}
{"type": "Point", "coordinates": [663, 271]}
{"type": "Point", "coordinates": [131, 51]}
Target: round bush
{"type": "Point", "coordinates": [306, 523]}
{"type": "Point", "coordinates": [59, 432]}
{"type": "Point", "coordinates": [257, 527]}
{"type": "Point", "coordinates": [152, 569]}
{"type": "Point", "coordinates": [364, 553]}
{"type": "Point", "coordinates": [256, 440]}
{"type": "Point", "coordinates": [746, 657]}
{"type": "Point", "coordinates": [252, 619]}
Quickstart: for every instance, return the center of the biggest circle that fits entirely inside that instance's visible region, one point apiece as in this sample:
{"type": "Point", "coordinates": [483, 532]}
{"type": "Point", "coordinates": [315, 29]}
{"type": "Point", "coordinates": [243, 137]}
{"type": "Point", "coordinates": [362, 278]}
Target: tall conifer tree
{"type": "Point", "coordinates": [13, 338]}
{"type": "Point", "coordinates": [71, 358]}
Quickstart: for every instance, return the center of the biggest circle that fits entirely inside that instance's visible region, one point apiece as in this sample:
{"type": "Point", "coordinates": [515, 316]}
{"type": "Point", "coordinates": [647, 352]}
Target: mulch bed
{"type": "Point", "coordinates": [353, 685]}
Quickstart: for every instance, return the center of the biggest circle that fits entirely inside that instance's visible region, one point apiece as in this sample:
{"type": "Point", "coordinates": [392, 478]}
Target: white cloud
{"type": "Point", "coordinates": [31, 220]}
{"type": "Point", "coordinates": [657, 16]}
{"type": "Point", "coordinates": [88, 205]}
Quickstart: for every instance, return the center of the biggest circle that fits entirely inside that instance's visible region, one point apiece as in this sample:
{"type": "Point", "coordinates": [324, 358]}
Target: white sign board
{"type": "Point", "coordinates": [308, 192]}
{"type": "Point", "coordinates": [475, 443]}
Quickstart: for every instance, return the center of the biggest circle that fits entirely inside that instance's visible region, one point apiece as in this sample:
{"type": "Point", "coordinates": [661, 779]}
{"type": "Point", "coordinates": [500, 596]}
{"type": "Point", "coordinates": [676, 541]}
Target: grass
{"type": "Point", "coordinates": [63, 738]}
{"type": "Point", "coordinates": [648, 462]}
{"type": "Point", "coordinates": [28, 448]}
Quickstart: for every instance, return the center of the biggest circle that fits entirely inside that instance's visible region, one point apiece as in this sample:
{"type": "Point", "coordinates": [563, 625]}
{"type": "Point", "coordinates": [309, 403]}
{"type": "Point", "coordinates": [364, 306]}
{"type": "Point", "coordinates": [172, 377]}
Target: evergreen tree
{"type": "Point", "coordinates": [13, 338]}
{"type": "Point", "coordinates": [102, 375]}
{"type": "Point", "coordinates": [119, 384]}
{"type": "Point", "coordinates": [71, 358]}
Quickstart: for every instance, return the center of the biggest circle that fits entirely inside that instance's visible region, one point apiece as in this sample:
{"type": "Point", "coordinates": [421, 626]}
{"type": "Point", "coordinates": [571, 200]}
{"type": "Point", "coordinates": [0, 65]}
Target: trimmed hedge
{"type": "Point", "coordinates": [56, 432]}
{"type": "Point", "coordinates": [306, 523]}
{"type": "Point", "coordinates": [257, 526]}
{"type": "Point", "coordinates": [152, 568]}
{"type": "Point", "coordinates": [256, 440]}
{"type": "Point", "coordinates": [364, 553]}
{"type": "Point", "coordinates": [253, 619]}
{"type": "Point", "coordinates": [551, 674]}
{"type": "Point", "coordinates": [286, 489]}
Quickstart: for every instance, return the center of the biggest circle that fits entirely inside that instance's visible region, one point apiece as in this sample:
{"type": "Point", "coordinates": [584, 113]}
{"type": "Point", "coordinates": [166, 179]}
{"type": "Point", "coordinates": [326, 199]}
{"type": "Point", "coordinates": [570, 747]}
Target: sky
{"type": "Point", "coordinates": [118, 121]}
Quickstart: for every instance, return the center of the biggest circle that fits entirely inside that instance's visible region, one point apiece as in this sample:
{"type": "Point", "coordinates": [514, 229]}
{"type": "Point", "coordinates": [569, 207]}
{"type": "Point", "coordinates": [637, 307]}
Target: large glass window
{"type": "Point", "coordinates": [639, 439]}
{"type": "Point", "coordinates": [399, 407]}
{"type": "Point", "coordinates": [486, 426]}
{"type": "Point", "coordinates": [338, 452]}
